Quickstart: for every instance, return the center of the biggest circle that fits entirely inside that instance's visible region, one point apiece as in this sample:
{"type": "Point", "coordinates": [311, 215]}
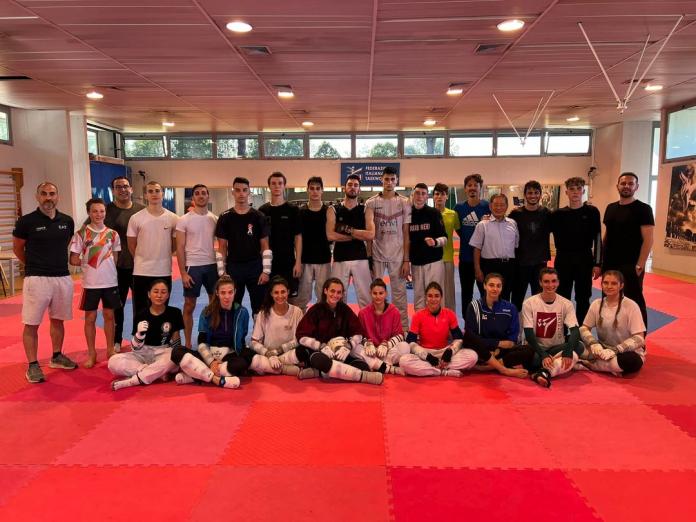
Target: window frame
{"type": "Point", "coordinates": [233, 136]}
{"type": "Point", "coordinates": [279, 136]}
{"type": "Point", "coordinates": [153, 137]}
{"type": "Point", "coordinates": [399, 144]}
{"type": "Point", "coordinates": [329, 135]}
{"type": "Point", "coordinates": [472, 134]}
{"type": "Point", "coordinates": [192, 135]}
{"type": "Point", "coordinates": [511, 134]}
{"type": "Point", "coordinates": [566, 132]}
{"type": "Point", "coordinates": [8, 112]}
{"type": "Point", "coordinates": [663, 152]}
{"type": "Point", "coordinates": [424, 134]}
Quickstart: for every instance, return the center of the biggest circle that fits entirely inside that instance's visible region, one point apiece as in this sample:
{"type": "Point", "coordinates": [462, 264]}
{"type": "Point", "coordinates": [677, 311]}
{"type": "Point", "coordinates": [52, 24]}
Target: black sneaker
{"type": "Point", "coordinates": [62, 362]}
{"type": "Point", "coordinates": [34, 374]}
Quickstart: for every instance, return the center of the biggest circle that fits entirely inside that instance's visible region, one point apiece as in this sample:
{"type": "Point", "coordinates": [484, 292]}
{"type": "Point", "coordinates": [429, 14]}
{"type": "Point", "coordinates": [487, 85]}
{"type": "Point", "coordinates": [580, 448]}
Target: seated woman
{"type": "Point", "coordinates": [221, 356]}
{"type": "Point", "coordinates": [156, 333]}
{"type": "Point", "coordinates": [619, 347]}
{"type": "Point", "coordinates": [327, 335]}
{"type": "Point", "coordinates": [494, 324]}
{"type": "Point", "coordinates": [435, 341]}
{"type": "Point", "coordinates": [273, 338]}
{"type": "Point", "coordinates": [384, 335]}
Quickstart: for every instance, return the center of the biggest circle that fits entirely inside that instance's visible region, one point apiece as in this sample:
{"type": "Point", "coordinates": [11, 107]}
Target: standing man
{"type": "Point", "coordinates": [242, 234]}
{"type": "Point", "coordinates": [628, 239]}
{"type": "Point", "coordinates": [118, 213]}
{"type": "Point", "coordinates": [40, 241]}
{"type": "Point", "coordinates": [316, 249]}
{"type": "Point", "coordinates": [390, 248]}
{"type": "Point", "coordinates": [286, 237]}
{"type": "Point", "coordinates": [494, 241]}
{"type": "Point", "coordinates": [428, 237]}
{"type": "Point", "coordinates": [577, 234]}
{"type": "Point", "coordinates": [470, 213]}
{"type": "Point", "coordinates": [451, 222]}
{"type": "Point", "coordinates": [350, 224]}
{"type": "Point", "coordinates": [533, 224]}
{"type": "Point", "coordinates": [195, 253]}
{"type": "Point", "coordinates": [151, 241]}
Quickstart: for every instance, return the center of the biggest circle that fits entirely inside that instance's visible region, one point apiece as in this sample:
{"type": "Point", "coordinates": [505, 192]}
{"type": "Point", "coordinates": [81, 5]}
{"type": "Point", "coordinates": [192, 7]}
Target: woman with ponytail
{"type": "Point", "coordinates": [619, 346]}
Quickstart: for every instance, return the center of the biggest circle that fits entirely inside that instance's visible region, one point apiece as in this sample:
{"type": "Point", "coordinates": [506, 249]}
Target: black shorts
{"type": "Point", "coordinates": [110, 298]}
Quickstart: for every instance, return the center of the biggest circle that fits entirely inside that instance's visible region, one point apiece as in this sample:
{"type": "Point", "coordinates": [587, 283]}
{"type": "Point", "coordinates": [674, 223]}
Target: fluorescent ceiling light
{"type": "Point", "coordinates": [653, 87]}
{"type": "Point", "coordinates": [429, 122]}
{"type": "Point", "coordinates": [510, 25]}
{"type": "Point", "coordinates": [239, 27]}
{"type": "Point", "coordinates": [573, 118]}
{"type": "Point", "coordinates": [286, 93]}
{"type": "Point", "coordinates": [168, 123]}
{"type": "Point", "coordinates": [455, 89]}
{"type": "Point", "coordinates": [308, 124]}
{"type": "Point", "coordinates": [94, 95]}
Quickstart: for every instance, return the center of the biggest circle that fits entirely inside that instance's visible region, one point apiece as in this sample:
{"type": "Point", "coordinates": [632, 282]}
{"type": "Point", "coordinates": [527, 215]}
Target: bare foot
{"type": "Point", "coordinates": [91, 361]}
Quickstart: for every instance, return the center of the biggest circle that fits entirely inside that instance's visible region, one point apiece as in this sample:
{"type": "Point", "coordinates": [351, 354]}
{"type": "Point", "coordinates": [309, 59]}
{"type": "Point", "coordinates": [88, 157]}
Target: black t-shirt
{"type": "Point", "coordinates": [243, 233]}
{"type": "Point", "coordinates": [117, 219]}
{"type": "Point", "coordinates": [355, 218]}
{"type": "Point", "coordinates": [534, 227]}
{"type": "Point", "coordinates": [161, 327]}
{"type": "Point", "coordinates": [624, 239]}
{"type": "Point", "coordinates": [577, 231]}
{"type": "Point", "coordinates": [425, 222]}
{"type": "Point", "coordinates": [315, 247]}
{"type": "Point", "coordinates": [284, 224]}
{"type": "Point", "coordinates": [47, 240]}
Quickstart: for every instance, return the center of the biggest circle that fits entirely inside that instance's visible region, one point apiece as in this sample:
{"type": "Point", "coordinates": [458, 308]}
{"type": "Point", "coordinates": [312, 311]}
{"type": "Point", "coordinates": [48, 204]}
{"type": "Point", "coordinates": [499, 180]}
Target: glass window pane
{"type": "Point", "coordinates": [568, 144]}
{"type": "Point", "coordinates": [653, 194]}
{"type": "Point", "coordinates": [191, 148]}
{"type": "Point", "coordinates": [424, 145]}
{"type": "Point", "coordinates": [329, 147]}
{"type": "Point", "coordinates": [145, 147]}
{"type": "Point", "coordinates": [512, 146]}
{"type": "Point", "coordinates": [372, 146]}
{"type": "Point", "coordinates": [4, 126]}
{"type": "Point", "coordinates": [655, 161]}
{"type": "Point", "coordinates": [471, 145]}
{"type": "Point", "coordinates": [237, 147]}
{"type": "Point", "coordinates": [283, 147]}
{"type": "Point", "coordinates": [92, 146]}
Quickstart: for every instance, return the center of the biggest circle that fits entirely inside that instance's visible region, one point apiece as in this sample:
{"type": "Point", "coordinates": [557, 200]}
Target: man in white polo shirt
{"type": "Point", "coordinates": [151, 241]}
{"type": "Point", "coordinates": [195, 253]}
{"type": "Point", "coordinates": [494, 241]}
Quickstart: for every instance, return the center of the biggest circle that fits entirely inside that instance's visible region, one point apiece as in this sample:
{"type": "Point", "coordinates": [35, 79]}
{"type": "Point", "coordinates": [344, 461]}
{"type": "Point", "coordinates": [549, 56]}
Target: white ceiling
{"type": "Point", "coordinates": [363, 65]}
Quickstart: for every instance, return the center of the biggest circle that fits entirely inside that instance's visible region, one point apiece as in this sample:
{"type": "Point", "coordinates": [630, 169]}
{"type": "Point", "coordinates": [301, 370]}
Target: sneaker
{"type": "Point", "coordinates": [308, 373]}
{"type": "Point", "coordinates": [372, 378]}
{"type": "Point", "coordinates": [450, 373]}
{"type": "Point", "coordinates": [34, 374]}
{"type": "Point", "coordinates": [182, 378]}
{"type": "Point", "coordinates": [117, 347]}
{"type": "Point", "coordinates": [62, 362]}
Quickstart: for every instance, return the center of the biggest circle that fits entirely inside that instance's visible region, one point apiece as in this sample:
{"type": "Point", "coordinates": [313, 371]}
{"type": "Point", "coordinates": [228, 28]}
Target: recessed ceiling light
{"type": "Point", "coordinates": [94, 95]}
{"type": "Point", "coordinates": [510, 25]}
{"type": "Point", "coordinates": [573, 118]}
{"type": "Point", "coordinates": [653, 87]}
{"type": "Point", "coordinates": [308, 124]}
{"type": "Point", "coordinates": [429, 122]}
{"type": "Point", "coordinates": [286, 93]}
{"type": "Point", "coordinates": [239, 27]}
{"type": "Point", "coordinates": [455, 89]}
{"type": "Point", "coordinates": [168, 123]}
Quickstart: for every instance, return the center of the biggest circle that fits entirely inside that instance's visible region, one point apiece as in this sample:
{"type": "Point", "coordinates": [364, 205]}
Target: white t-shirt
{"type": "Point", "coordinates": [630, 321]}
{"type": "Point", "coordinates": [200, 237]}
{"type": "Point", "coordinates": [547, 320]}
{"type": "Point", "coordinates": [153, 255]}
{"type": "Point", "coordinates": [390, 216]}
{"type": "Point", "coordinates": [273, 330]}
{"type": "Point", "coordinates": [96, 247]}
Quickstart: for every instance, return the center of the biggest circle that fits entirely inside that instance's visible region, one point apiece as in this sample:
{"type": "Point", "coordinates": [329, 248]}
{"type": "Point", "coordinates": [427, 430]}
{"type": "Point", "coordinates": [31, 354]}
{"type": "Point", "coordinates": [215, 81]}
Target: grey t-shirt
{"type": "Point", "coordinates": [390, 216]}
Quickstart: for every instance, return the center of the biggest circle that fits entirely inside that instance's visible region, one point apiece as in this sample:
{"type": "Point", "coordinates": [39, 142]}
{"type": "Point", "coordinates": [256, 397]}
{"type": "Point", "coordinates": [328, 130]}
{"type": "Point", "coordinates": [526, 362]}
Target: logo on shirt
{"type": "Point", "coordinates": [250, 229]}
{"type": "Point", "coordinates": [62, 227]}
{"type": "Point", "coordinates": [470, 220]}
{"type": "Point", "coordinates": [416, 227]}
{"type": "Point", "coordinates": [166, 327]}
{"type": "Point", "coordinates": [40, 229]}
{"type": "Point", "coordinates": [546, 323]}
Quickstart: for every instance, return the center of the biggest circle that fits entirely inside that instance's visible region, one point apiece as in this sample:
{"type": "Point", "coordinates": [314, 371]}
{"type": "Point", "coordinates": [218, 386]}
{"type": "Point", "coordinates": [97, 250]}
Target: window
{"type": "Point", "coordinates": [329, 146]}
{"type": "Point", "coordinates": [654, 166]}
{"type": "Point", "coordinates": [92, 142]}
{"type": "Point", "coordinates": [5, 127]}
{"type": "Point", "coordinates": [374, 146]}
{"type": "Point", "coordinates": [510, 145]}
{"type": "Point", "coordinates": [471, 144]}
{"type": "Point", "coordinates": [188, 147]}
{"type": "Point", "coordinates": [424, 145]}
{"type": "Point", "coordinates": [568, 143]}
{"type": "Point", "coordinates": [237, 147]}
{"type": "Point", "coordinates": [284, 147]}
{"type": "Point", "coordinates": [145, 147]}
{"type": "Point", "coordinates": [681, 134]}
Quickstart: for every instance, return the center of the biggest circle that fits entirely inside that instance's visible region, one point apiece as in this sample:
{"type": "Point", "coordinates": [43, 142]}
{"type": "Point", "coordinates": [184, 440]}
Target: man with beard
{"type": "Point", "coordinates": [628, 238]}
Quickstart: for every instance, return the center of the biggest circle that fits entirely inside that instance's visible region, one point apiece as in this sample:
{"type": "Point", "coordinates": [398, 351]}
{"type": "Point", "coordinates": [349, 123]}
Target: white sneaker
{"type": "Point", "coordinates": [117, 347]}
{"type": "Point", "coordinates": [183, 378]}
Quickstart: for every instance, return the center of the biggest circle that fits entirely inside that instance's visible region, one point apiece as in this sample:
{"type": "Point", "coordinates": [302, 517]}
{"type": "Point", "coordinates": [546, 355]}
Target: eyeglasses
{"type": "Point", "coordinates": [122, 187]}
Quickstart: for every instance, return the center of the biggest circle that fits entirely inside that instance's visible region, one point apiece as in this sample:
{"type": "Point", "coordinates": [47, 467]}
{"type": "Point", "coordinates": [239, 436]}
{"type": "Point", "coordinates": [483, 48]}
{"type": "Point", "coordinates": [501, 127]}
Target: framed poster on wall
{"type": "Point", "coordinates": [680, 233]}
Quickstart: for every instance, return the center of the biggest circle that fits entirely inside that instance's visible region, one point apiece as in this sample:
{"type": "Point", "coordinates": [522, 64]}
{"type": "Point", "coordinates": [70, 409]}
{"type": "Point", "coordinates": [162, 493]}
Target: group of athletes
{"type": "Point", "coordinates": [281, 253]}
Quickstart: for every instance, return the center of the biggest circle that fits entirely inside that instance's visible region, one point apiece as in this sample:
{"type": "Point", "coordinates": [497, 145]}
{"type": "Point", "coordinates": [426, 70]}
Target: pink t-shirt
{"type": "Point", "coordinates": [380, 328]}
{"type": "Point", "coordinates": [433, 331]}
